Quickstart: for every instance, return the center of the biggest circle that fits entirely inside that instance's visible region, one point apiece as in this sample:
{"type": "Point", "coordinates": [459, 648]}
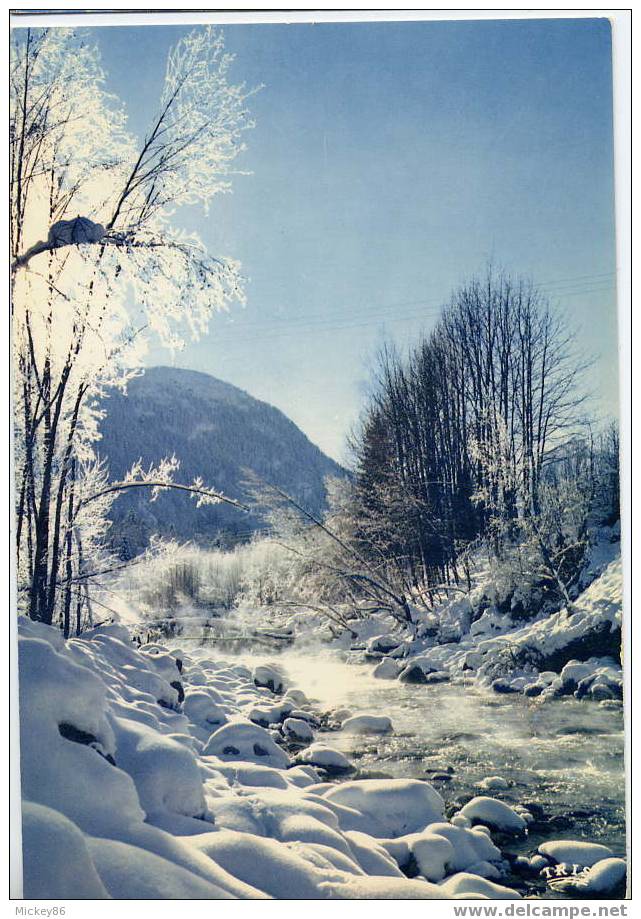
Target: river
{"type": "Point", "coordinates": [565, 756]}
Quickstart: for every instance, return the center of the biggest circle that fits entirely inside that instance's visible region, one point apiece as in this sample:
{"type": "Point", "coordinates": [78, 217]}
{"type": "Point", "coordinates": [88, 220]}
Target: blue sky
{"type": "Point", "coordinates": [389, 162]}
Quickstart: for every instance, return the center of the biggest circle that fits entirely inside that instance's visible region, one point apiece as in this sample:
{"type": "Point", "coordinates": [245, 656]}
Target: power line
{"type": "Point", "coordinates": [339, 321]}
{"type": "Point", "coordinates": [578, 281]}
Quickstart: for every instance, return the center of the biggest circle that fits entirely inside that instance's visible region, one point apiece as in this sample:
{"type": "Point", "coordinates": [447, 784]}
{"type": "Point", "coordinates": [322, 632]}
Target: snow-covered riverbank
{"type": "Point", "coordinates": [572, 652]}
{"type": "Point", "coordinates": [488, 635]}
{"type": "Point", "coordinates": [149, 773]}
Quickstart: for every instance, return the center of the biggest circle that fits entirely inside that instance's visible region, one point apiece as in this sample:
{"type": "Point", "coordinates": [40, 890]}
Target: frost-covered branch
{"type": "Point", "coordinates": [160, 478]}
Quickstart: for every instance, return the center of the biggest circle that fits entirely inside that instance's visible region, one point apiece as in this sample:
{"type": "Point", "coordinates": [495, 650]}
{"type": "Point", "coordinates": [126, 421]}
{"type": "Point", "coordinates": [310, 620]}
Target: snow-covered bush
{"type": "Point", "coordinates": [189, 581]}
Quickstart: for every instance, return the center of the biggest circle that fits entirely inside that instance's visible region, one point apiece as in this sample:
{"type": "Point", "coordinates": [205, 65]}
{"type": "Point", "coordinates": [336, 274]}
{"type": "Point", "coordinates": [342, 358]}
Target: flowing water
{"type": "Point", "coordinates": [565, 756]}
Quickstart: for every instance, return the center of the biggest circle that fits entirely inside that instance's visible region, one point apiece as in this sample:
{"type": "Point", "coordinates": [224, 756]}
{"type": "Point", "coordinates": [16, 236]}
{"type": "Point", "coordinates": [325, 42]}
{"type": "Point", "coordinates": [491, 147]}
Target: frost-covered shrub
{"type": "Point", "coordinates": [189, 581]}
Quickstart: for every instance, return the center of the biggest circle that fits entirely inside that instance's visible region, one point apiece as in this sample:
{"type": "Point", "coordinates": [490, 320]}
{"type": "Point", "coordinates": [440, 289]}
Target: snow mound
{"type": "Point", "coordinates": [382, 888]}
{"type": "Point", "coordinates": [202, 711]}
{"type": "Point", "coordinates": [296, 696]}
{"type": "Point", "coordinates": [131, 873]}
{"type": "Point", "coordinates": [469, 886]}
{"type": "Point", "coordinates": [165, 772]}
{"type": "Point", "coordinates": [433, 853]}
{"type": "Point", "coordinates": [386, 808]}
{"type": "Point", "coordinates": [59, 771]}
{"type": "Point", "coordinates": [247, 775]}
{"type": "Point", "coordinates": [264, 715]}
{"type": "Point", "coordinates": [56, 858]}
{"type": "Point", "coordinates": [371, 856]}
{"type": "Point", "coordinates": [443, 848]}
{"type": "Point", "coordinates": [246, 741]}
{"type": "Point", "coordinates": [469, 846]}
{"type": "Point", "coordinates": [271, 866]}
{"type": "Point", "coordinates": [164, 663]}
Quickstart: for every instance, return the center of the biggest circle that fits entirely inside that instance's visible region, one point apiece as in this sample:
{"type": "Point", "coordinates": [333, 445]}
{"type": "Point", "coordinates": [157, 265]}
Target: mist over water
{"type": "Point", "coordinates": [562, 754]}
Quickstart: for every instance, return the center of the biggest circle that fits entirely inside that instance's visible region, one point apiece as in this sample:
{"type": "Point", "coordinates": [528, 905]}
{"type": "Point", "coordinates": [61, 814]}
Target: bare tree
{"type": "Point", "coordinates": [90, 227]}
{"type": "Point", "coordinates": [454, 443]}
{"type": "Point", "coordinates": [329, 548]}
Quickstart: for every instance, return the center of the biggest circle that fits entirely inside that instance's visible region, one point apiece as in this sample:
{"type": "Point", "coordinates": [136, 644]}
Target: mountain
{"type": "Point", "coordinates": [216, 430]}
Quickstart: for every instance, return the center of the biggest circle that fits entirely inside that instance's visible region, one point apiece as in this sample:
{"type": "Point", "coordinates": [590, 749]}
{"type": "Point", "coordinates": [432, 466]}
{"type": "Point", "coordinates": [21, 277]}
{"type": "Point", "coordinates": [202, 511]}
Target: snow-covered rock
{"type": "Point", "coordinates": [576, 852]}
{"type": "Point", "coordinates": [297, 730]}
{"type": "Point", "coordinates": [606, 876]}
{"type": "Point", "coordinates": [416, 670]}
{"type": "Point", "coordinates": [573, 672]}
{"type": "Point", "coordinates": [367, 724]}
{"type": "Point", "coordinates": [264, 715]}
{"type": "Point", "coordinates": [437, 676]}
{"type": "Point", "coordinates": [382, 644]}
{"type": "Point", "coordinates": [433, 854]}
{"type": "Point", "coordinates": [387, 669]}
{"type": "Point", "coordinates": [320, 754]}
{"type": "Point", "coordinates": [443, 848]}
{"type": "Point", "coordinates": [296, 696]}
{"type": "Point", "coordinates": [507, 686]}
{"type": "Point", "coordinates": [115, 630]}
{"type": "Point", "coordinates": [471, 846]}
{"type": "Point", "coordinates": [495, 814]}
{"type": "Point", "coordinates": [164, 663]}
{"type": "Point", "coordinates": [269, 677]}
{"type": "Point", "coordinates": [605, 682]}
{"type": "Point", "coordinates": [459, 820]}
{"type": "Point", "coordinates": [250, 775]}
{"type": "Point", "coordinates": [493, 783]}
{"type": "Point", "coordinates": [201, 710]}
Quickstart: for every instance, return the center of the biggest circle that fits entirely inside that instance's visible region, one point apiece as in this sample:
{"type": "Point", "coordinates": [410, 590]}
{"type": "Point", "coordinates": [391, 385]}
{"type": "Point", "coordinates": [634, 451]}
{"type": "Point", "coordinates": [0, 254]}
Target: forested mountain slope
{"type": "Point", "coordinates": [216, 430]}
